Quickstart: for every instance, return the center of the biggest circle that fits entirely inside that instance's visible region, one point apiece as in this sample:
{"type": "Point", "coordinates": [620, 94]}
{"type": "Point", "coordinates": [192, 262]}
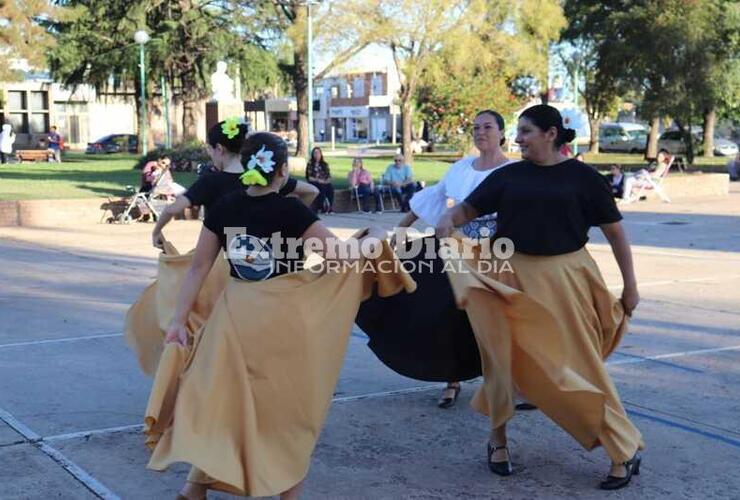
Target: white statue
{"type": "Point", "coordinates": [222, 84]}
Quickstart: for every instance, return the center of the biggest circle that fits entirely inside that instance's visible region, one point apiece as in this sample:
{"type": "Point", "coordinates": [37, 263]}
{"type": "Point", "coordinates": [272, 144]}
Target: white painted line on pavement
{"type": "Point", "coordinates": [85, 434]}
{"type": "Point", "coordinates": [673, 355]}
{"type": "Point", "coordinates": [358, 397]}
{"type": "Point", "coordinates": [373, 395]}
{"type": "Point", "coordinates": [55, 341]}
{"type": "Point", "coordinates": [18, 426]}
{"type": "Point", "coordinates": [59, 458]}
{"type": "Point", "coordinates": [712, 279]}
{"type": "Point", "coordinates": [79, 473]}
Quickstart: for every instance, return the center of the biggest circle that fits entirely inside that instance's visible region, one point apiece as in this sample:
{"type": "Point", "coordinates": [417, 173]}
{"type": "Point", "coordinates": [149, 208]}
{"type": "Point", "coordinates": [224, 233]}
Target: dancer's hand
{"type": "Point", "coordinates": [375, 236]}
{"type": "Point", "coordinates": [177, 333]}
{"type": "Point", "coordinates": [157, 240]}
{"type": "Point", "coordinates": [445, 226]}
{"type": "Point", "coordinates": [630, 299]}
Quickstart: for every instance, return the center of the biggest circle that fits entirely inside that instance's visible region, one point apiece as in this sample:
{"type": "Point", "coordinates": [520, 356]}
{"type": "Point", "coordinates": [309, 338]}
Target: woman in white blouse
{"type": "Point", "coordinates": [460, 180]}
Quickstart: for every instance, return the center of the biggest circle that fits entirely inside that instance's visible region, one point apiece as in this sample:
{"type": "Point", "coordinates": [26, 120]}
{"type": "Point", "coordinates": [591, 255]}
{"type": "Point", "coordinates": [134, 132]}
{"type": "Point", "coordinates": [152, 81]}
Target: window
{"type": "Point", "coordinates": [358, 87]}
{"type": "Point", "coordinates": [377, 85]}
{"type": "Point", "coordinates": [16, 100]}
{"type": "Point", "coordinates": [27, 111]}
{"type": "Point", "coordinates": [39, 101]}
{"type": "Point", "coordinates": [38, 123]}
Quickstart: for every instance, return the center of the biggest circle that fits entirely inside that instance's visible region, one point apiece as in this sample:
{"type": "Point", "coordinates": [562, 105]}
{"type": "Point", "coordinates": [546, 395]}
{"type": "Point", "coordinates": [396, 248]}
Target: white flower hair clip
{"type": "Point", "coordinates": [262, 159]}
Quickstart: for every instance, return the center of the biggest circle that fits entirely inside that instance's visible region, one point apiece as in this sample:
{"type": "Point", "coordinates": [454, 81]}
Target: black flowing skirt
{"type": "Point", "coordinates": [422, 335]}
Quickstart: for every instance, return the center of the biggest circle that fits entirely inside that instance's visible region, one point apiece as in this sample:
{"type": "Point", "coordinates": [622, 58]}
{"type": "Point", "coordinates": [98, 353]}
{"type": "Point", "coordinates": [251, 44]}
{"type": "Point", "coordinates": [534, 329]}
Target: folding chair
{"type": "Point", "coordinates": [385, 189]}
{"type": "Point", "coordinates": [654, 182]}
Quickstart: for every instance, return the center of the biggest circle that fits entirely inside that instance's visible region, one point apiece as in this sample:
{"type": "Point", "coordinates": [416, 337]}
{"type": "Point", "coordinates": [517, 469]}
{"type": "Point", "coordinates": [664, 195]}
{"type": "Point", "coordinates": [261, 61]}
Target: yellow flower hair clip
{"type": "Point", "coordinates": [252, 177]}
{"type": "Point", "coordinates": [230, 127]}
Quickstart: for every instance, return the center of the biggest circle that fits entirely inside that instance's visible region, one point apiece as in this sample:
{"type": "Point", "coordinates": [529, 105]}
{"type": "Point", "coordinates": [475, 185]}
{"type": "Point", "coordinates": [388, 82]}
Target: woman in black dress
{"type": "Point", "coordinates": [546, 205]}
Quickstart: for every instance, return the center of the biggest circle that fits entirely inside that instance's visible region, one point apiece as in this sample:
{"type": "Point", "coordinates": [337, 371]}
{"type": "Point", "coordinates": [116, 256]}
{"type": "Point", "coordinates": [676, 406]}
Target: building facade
{"type": "Point", "coordinates": [358, 103]}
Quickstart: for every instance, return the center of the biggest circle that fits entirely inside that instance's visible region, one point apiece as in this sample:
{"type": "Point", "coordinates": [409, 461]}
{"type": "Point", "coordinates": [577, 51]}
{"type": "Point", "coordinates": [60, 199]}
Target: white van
{"type": "Point", "coordinates": [623, 137]}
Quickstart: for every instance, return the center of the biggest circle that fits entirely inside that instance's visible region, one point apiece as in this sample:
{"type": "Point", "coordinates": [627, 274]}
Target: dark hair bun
{"type": "Point", "coordinates": [568, 135]}
{"type": "Point", "coordinates": [232, 142]}
{"type": "Point", "coordinates": [264, 142]}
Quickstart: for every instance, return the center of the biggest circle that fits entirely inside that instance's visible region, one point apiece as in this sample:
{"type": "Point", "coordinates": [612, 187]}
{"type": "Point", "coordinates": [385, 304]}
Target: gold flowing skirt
{"type": "Point", "coordinates": [245, 405]}
{"type": "Point", "coordinates": [544, 325]}
{"type": "Point", "coordinates": [148, 318]}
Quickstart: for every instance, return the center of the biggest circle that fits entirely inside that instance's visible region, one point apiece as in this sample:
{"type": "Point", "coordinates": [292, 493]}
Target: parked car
{"type": "Point", "coordinates": [623, 137]}
{"type": "Point", "coordinates": [671, 141]}
{"type": "Point", "coordinates": [114, 143]}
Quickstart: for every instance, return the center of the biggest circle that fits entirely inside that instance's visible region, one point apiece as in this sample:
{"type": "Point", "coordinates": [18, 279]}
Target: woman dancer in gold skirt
{"type": "Point", "coordinates": [546, 327]}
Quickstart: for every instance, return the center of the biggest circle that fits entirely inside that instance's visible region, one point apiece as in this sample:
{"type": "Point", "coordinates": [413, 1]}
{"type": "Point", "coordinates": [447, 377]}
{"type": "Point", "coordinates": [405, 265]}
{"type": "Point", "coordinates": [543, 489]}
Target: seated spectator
{"type": "Point", "coordinates": [148, 176]}
{"type": "Point", "coordinates": [163, 183]}
{"type": "Point", "coordinates": [400, 178]}
{"type": "Point", "coordinates": [642, 177]}
{"type": "Point", "coordinates": [733, 168]}
{"type": "Point", "coordinates": [362, 180]}
{"type": "Point", "coordinates": [616, 180]}
{"type": "Point", "coordinates": [318, 174]}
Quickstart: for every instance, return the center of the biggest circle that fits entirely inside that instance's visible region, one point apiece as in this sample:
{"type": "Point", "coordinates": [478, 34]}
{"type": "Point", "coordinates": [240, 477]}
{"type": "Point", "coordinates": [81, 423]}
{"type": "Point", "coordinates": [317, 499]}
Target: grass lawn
{"type": "Point", "coordinates": [89, 176]}
{"type": "Point", "coordinates": [79, 176]}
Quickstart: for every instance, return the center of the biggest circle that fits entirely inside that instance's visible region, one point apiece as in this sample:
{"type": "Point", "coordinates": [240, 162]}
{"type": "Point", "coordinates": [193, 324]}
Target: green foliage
{"type": "Point", "coordinates": [184, 157]}
{"type": "Point", "coordinates": [187, 39]}
{"type": "Point", "coordinates": [479, 69]}
{"type": "Point", "coordinates": [23, 33]}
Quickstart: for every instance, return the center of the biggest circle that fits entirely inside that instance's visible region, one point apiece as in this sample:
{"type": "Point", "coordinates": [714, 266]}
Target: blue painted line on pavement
{"type": "Point", "coordinates": [687, 428]}
{"type": "Point", "coordinates": [661, 362]}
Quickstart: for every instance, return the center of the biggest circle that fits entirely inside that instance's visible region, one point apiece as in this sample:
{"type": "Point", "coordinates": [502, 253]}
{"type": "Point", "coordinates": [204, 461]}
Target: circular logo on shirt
{"type": "Point", "coordinates": [251, 258]}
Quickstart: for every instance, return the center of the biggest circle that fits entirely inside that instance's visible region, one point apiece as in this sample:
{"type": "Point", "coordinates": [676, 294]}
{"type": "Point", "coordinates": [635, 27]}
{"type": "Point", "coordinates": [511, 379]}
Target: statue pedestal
{"type": "Point", "coordinates": [218, 111]}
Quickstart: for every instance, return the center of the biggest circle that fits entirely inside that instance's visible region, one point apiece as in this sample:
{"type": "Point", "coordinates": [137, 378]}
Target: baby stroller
{"type": "Point", "coordinates": [140, 205]}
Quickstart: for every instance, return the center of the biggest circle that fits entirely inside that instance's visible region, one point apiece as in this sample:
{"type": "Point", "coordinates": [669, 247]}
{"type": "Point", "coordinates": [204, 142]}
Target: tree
{"type": "Point", "coordinates": [588, 47]}
{"type": "Point", "coordinates": [414, 34]}
{"type": "Point", "coordinates": [23, 33]}
{"type": "Point", "coordinates": [285, 21]}
{"type": "Point", "coordinates": [672, 53]}
{"type": "Point", "coordinates": [481, 71]}
{"type": "Point", "coordinates": [188, 37]}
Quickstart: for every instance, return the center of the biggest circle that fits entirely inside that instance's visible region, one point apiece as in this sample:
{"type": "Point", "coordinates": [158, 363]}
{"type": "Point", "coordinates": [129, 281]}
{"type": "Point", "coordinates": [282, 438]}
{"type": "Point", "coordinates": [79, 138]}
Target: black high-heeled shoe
{"type": "Point", "coordinates": [633, 468]}
{"type": "Point", "coordinates": [449, 402]}
{"type": "Point", "coordinates": [500, 468]}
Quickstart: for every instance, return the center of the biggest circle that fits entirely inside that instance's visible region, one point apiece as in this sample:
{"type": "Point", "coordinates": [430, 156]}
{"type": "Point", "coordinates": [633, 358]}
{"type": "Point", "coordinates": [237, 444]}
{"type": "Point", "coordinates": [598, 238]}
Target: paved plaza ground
{"type": "Point", "coordinates": [72, 396]}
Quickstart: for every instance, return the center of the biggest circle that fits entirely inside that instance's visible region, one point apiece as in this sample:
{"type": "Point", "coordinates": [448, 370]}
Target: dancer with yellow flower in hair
{"type": "Point", "coordinates": [224, 143]}
{"type": "Point", "coordinates": [260, 375]}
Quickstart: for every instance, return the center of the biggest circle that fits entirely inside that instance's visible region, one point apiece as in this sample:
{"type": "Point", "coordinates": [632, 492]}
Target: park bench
{"type": "Point", "coordinates": [33, 155]}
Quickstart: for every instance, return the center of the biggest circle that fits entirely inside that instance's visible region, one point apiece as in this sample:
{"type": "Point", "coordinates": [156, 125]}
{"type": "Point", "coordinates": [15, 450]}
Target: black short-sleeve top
{"type": "Point", "coordinates": [260, 234]}
{"type": "Point", "coordinates": [546, 210]}
{"type": "Point", "coordinates": [210, 187]}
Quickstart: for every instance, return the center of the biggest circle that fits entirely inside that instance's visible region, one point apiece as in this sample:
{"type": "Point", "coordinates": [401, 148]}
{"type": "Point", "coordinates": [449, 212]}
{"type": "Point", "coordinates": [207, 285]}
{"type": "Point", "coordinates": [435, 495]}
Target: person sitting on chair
{"type": "Point", "coordinates": [362, 180]}
{"type": "Point", "coordinates": [616, 180]}
{"type": "Point", "coordinates": [400, 177]}
{"type": "Point", "coordinates": [643, 177]}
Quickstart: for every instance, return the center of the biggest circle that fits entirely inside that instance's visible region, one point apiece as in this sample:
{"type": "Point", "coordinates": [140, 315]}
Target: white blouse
{"type": "Point", "coordinates": [458, 182]}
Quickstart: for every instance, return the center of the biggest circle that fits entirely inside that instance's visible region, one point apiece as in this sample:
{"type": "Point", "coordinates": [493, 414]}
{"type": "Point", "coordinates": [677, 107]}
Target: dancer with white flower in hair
{"type": "Point", "coordinates": [260, 375]}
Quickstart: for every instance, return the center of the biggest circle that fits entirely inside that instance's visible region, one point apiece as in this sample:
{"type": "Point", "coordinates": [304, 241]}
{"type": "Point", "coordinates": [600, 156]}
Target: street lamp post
{"type": "Point", "coordinates": [141, 37]}
{"type": "Point", "coordinates": [575, 105]}
{"type": "Point", "coordinates": [309, 71]}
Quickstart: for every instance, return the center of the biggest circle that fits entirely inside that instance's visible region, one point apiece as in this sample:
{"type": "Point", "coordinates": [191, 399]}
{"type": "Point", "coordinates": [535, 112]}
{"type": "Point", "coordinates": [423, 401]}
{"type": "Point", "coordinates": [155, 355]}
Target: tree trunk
{"type": "Point", "coordinates": [710, 118]}
{"type": "Point", "coordinates": [189, 120]}
{"type": "Point", "coordinates": [300, 86]}
{"type": "Point", "coordinates": [406, 119]}
{"type": "Point", "coordinates": [651, 151]}
{"type": "Point", "coordinates": [593, 141]}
